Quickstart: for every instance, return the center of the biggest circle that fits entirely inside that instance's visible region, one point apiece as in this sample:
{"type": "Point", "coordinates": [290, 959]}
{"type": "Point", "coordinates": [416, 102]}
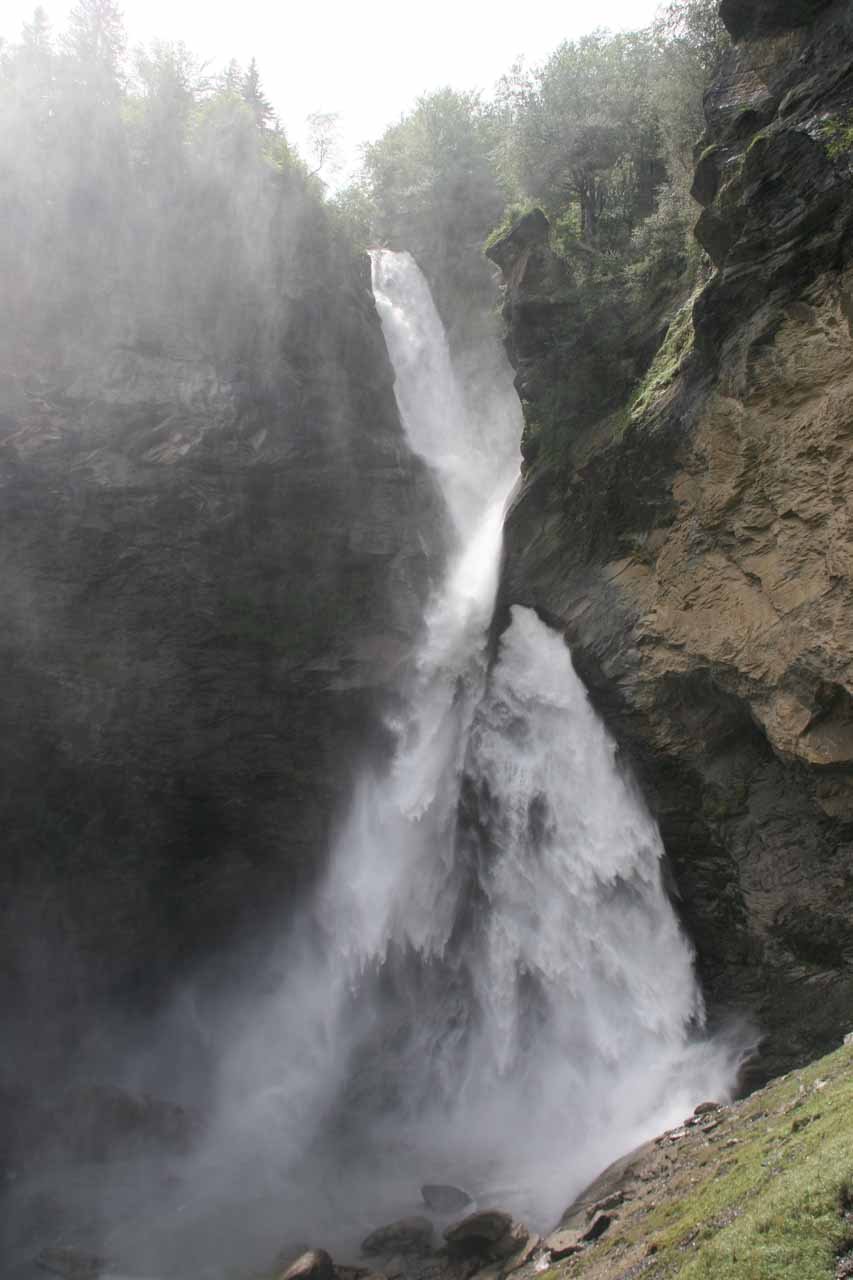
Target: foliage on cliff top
{"type": "Point", "coordinates": [600, 136]}
{"type": "Point", "coordinates": [767, 1194]}
{"type": "Point", "coordinates": [146, 199]}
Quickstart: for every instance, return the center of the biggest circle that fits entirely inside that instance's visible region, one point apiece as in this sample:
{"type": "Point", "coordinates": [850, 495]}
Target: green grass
{"type": "Point", "coordinates": [785, 1189]}
{"type": "Point", "coordinates": [791, 1184]}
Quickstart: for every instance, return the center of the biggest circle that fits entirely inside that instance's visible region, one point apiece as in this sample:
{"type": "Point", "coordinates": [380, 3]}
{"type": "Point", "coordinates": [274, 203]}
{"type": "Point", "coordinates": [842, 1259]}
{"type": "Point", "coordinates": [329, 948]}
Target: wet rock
{"type": "Point", "coordinates": [561, 1244]}
{"type": "Point", "coordinates": [356, 1273]}
{"type": "Point", "coordinates": [600, 1223]}
{"type": "Point", "coordinates": [523, 1255]}
{"type": "Point", "coordinates": [71, 1264]}
{"type": "Point", "coordinates": [616, 1179]}
{"type": "Point", "coordinates": [479, 1233]}
{"type": "Point", "coordinates": [408, 1235]}
{"type": "Point", "coordinates": [444, 1198]}
{"type": "Point", "coordinates": [510, 1243]}
{"type": "Point", "coordinates": [707, 1108]}
{"type": "Point", "coordinates": [314, 1264]}
{"type": "Point", "coordinates": [607, 1202]}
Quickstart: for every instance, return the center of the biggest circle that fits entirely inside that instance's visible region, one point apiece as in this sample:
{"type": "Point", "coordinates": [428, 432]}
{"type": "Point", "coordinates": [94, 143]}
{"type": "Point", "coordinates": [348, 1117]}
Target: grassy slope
{"type": "Point", "coordinates": [765, 1195]}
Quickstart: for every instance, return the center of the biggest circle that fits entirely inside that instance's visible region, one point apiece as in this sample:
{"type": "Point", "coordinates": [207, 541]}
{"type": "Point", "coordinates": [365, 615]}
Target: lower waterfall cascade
{"type": "Point", "coordinates": [491, 988]}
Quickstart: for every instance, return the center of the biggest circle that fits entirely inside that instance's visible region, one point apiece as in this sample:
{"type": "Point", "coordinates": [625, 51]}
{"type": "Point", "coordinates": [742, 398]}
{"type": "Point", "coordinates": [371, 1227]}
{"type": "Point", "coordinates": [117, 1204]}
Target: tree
{"type": "Point", "coordinates": [95, 37]}
{"type": "Point", "coordinates": [323, 138]}
{"type": "Point", "coordinates": [35, 38]}
{"type": "Point", "coordinates": [231, 80]}
{"type": "Point", "coordinates": [691, 41]}
{"type": "Point", "coordinates": [694, 25]}
{"type": "Point", "coordinates": [585, 132]}
{"type": "Point", "coordinates": [256, 100]}
{"type": "Point", "coordinates": [433, 176]}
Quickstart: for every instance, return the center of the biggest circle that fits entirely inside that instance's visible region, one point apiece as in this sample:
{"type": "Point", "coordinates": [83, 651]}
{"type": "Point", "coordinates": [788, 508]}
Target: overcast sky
{"type": "Point", "coordinates": [367, 61]}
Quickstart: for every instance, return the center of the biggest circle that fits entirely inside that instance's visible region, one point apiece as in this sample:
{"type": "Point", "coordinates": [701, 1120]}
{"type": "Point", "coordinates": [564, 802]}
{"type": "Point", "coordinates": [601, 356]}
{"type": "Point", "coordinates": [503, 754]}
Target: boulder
{"type": "Point", "coordinates": [560, 1244]}
{"type": "Point", "coordinates": [510, 1243]}
{"type": "Point", "coordinates": [608, 1202]}
{"type": "Point", "coordinates": [707, 1108]}
{"type": "Point", "coordinates": [600, 1223]}
{"type": "Point", "coordinates": [408, 1235]}
{"type": "Point", "coordinates": [314, 1264]}
{"type": "Point", "coordinates": [523, 1255]}
{"type": "Point", "coordinates": [444, 1198]}
{"type": "Point", "coordinates": [357, 1273]}
{"type": "Point", "coordinates": [479, 1232]}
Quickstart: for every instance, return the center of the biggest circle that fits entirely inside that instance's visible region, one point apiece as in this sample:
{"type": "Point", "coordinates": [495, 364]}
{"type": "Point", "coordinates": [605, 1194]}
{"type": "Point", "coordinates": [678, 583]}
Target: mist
{"type": "Point", "coordinates": [322, 879]}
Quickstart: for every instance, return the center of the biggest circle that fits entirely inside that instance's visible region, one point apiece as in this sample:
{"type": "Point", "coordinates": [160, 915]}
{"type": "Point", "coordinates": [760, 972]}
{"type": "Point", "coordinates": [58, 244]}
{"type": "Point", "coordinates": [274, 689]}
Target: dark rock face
{"type": "Point", "coordinates": [747, 19]}
{"type": "Point", "coordinates": [698, 557]}
{"type": "Point", "coordinates": [577, 348]}
{"type": "Point", "coordinates": [211, 582]}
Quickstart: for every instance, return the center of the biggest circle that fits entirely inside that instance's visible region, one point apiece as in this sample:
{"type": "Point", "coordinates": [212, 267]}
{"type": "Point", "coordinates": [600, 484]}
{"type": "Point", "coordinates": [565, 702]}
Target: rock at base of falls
{"type": "Point", "coordinates": [314, 1264]}
{"type": "Point", "coordinates": [597, 1227]}
{"type": "Point", "coordinates": [488, 1233]}
{"type": "Point", "coordinates": [563, 1243]}
{"type": "Point", "coordinates": [444, 1198]}
{"type": "Point", "coordinates": [408, 1235]}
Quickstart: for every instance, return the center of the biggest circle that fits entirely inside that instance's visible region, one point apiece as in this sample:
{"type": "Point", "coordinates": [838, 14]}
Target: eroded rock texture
{"type": "Point", "coordinates": [211, 575]}
{"type": "Point", "coordinates": [697, 551]}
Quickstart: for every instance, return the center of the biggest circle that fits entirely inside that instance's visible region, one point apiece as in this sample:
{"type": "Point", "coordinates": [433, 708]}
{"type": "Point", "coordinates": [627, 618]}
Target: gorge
{"type": "Point", "coordinates": [324, 875]}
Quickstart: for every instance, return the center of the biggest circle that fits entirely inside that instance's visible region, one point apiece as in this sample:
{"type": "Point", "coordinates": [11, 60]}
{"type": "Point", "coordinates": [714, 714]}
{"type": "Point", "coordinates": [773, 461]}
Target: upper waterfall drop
{"type": "Point", "coordinates": [476, 459]}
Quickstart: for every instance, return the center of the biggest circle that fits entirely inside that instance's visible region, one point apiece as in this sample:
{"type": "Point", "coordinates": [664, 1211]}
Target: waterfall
{"type": "Point", "coordinates": [492, 988]}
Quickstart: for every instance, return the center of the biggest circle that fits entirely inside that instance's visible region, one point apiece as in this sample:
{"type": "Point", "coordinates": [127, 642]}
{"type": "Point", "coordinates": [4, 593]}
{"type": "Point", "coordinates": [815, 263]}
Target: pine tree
{"type": "Point", "coordinates": [95, 36]}
{"type": "Point", "coordinates": [35, 36]}
{"type": "Point", "coordinates": [231, 80]}
{"type": "Point", "coordinates": [255, 98]}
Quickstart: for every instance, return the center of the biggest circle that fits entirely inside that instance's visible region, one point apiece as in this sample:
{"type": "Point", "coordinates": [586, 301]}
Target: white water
{"type": "Point", "coordinates": [492, 989]}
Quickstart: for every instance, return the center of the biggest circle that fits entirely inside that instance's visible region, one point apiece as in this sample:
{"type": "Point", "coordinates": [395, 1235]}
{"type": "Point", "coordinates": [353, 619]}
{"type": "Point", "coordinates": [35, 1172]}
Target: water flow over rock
{"type": "Point", "coordinates": [492, 987]}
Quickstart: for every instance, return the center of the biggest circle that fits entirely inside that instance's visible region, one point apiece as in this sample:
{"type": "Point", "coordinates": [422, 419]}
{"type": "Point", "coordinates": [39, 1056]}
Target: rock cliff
{"type": "Point", "coordinates": [211, 576]}
{"type": "Point", "coordinates": [694, 541]}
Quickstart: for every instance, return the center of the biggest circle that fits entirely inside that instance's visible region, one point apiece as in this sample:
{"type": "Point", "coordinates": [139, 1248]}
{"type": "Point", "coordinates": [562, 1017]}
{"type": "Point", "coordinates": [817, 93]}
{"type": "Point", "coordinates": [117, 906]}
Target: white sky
{"type": "Point", "coordinates": [366, 60]}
